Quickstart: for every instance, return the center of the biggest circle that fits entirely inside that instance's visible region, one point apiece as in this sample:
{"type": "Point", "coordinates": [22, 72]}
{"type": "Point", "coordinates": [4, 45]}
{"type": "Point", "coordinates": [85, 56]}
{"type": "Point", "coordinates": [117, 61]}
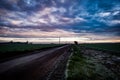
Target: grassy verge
{"type": "Point", "coordinates": [84, 68]}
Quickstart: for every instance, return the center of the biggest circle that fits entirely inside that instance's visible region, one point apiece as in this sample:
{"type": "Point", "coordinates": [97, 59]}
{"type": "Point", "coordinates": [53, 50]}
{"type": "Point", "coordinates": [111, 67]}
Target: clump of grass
{"type": "Point", "coordinates": [84, 68]}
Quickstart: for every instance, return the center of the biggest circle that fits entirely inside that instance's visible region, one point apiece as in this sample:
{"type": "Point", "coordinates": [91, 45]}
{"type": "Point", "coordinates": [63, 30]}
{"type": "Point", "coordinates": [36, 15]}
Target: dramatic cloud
{"type": "Point", "coordinates": [63, 18]}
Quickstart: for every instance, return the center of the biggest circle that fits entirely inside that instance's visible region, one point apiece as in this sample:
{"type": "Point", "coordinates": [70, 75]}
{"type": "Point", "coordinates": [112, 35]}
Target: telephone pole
{"type": "Point", "coordinates": [59, 40]}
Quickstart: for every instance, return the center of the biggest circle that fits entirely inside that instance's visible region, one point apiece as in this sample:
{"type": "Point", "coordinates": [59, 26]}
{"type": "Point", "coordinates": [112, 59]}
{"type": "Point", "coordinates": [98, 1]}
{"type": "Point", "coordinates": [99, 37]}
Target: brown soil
{"type": "Point", "coordinates": [112, 62]}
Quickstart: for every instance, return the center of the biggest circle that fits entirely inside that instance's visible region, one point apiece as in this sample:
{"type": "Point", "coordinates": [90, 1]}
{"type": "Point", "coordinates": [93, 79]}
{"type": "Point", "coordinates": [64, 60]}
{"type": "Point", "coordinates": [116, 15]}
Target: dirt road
{"type": "Point", "coordinates": [39, 66]}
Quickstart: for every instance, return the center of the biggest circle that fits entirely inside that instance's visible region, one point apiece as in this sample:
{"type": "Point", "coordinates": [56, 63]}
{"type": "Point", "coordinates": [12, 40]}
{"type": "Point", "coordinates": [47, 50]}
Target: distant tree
{"type": "Point", "coordinates": [11, 41]}
{"type": "Point", "coordinates": [27, 42]}
{"type": "Point", "coordinates": [75, 42]}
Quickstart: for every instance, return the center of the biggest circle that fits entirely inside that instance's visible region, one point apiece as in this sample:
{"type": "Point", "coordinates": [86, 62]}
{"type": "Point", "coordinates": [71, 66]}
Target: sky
{"type": "Point", "coordinates": [85, 21]}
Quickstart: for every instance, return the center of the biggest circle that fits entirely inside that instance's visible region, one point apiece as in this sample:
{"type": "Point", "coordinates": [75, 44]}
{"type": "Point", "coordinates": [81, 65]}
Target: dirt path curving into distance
{"type": "Point", "coordinates": [40, 66]}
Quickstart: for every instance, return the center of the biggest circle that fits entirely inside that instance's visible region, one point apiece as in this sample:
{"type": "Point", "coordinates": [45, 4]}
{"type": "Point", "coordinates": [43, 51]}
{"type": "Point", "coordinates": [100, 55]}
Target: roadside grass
{"type": "Point", "coordinates": [115, 47]}
{"type": "Point", "coordinates": [84, 68]}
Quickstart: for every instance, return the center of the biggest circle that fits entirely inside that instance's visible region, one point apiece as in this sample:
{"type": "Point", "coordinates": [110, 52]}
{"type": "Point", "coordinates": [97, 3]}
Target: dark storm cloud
{"type": "Point", "coordinates": [79, 16]}
{"type": "Point", "coordinates": [25, 5]}
{"type": "Point", "coordinates": [6, 4]}
{"type": "Point", "coordinates": [15, 5]}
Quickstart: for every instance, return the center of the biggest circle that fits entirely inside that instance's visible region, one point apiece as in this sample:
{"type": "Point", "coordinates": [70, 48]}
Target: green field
{"type": "Point", "coordinates": [115, 47]}
{"type": "Point", "coordinates": [83, 67]}
{"type": "Point", "coordinates": [16, 47]}
{"type": "Point", "coordinates": [12, 50]}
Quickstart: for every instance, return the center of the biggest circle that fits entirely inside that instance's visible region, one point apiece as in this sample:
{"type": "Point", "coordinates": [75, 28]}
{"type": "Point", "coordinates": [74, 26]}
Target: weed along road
{"type": "Point", "coordinates": [45, 65]}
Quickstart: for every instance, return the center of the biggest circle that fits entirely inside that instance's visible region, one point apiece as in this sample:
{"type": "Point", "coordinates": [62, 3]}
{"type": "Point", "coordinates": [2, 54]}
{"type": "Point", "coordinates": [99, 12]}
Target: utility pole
{"type": "Point", "coordinates": [59, 40]}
